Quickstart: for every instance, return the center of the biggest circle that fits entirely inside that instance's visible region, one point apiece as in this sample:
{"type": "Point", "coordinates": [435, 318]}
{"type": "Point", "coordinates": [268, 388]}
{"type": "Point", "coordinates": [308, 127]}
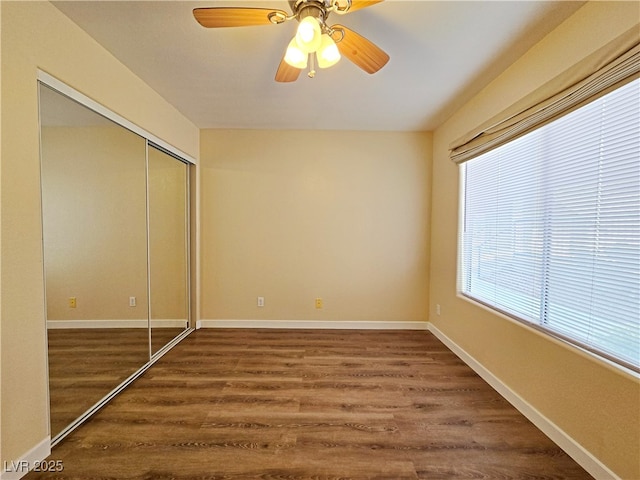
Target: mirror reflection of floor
{"type": "Point", "coordinates": [86, 364]}
{"type": "Point", "coordinates": [161, 336]}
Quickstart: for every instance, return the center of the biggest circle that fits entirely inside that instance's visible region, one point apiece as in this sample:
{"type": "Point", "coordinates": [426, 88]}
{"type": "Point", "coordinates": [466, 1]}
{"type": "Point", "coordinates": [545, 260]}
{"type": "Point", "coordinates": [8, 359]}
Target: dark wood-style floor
{"type": "Point", "coordinates": [310, 404]}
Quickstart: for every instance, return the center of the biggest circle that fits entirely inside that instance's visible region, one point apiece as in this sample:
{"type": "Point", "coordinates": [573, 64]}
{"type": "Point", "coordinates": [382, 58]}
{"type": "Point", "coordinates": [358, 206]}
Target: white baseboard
{"type": "Point", "coordinates": [313, 324]}
{"type": "Point", "coordinates": [16, 469]}
{"type": "Point", "coordinates": [131, 323]}
{"type": "Point", "coordinates": [576, 451]}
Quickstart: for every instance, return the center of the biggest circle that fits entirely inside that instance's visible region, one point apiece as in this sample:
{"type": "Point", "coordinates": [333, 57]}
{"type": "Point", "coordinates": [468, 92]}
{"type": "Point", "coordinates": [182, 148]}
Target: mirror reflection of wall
{"type": "Point", "coordinates": [168, 259]}
{"type": "Point", "coordinates": [115, 229]}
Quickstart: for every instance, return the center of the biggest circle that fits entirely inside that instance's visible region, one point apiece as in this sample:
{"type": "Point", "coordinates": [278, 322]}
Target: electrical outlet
{"type": "Point", "coordinates": [261, 301]}
{"type": "Point", "coordinates": [72, 302]}
{"type": "Point", "coordinates": [318, 303]}
{"type": "Point", "coordinates": [132, 301]}
{"type": "Point", "coordinates": [437, 309]}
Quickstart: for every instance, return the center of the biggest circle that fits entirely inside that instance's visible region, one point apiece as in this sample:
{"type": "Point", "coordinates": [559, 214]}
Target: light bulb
{"type": "Point", "coordinates": [294, 56]}
{"type": "Point", "coordinates": [328, 53]}
{"type": "Point", "coordinates": [308, 34]}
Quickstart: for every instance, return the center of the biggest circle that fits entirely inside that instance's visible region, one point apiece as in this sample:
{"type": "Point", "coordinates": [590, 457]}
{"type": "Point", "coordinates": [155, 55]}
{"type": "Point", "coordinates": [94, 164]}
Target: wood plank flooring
{"type": "Point", "coordinates": [310, 404]}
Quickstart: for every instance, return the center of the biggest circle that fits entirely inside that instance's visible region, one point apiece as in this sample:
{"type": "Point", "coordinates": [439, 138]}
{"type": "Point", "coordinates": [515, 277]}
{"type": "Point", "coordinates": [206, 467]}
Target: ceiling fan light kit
{"type": "Point", "coordinates": [313, 41]}
{"type": "Point", "coordinates": [328, 54]}
{"type": "Point", "coordinates": [309, 40]}
{"type": "Point", "coordinates": [308, 35]}
{"type": "Point", "coordinates": [294, 56]}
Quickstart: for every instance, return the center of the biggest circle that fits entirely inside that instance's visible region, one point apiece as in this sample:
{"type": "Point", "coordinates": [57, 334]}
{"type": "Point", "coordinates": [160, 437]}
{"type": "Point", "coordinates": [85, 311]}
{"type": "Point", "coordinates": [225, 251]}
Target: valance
{"type": "Point", "coordinates": [609, 67]}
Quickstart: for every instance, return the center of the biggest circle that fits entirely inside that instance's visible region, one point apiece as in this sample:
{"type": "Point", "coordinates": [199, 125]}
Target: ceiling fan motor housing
{"type": "Point", "coordinates": [310, 8]}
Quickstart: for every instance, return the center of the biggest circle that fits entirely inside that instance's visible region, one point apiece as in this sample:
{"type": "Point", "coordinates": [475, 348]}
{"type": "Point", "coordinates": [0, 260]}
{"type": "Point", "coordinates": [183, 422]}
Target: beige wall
{"type": "Point", "coordinates": [1, 356]}
{"type": "Point", "coordinates": [595, 404]}
{"type": "Point", "coordinates": [36, 35]}
{"type": "Point", "coordinates": [297, 215]}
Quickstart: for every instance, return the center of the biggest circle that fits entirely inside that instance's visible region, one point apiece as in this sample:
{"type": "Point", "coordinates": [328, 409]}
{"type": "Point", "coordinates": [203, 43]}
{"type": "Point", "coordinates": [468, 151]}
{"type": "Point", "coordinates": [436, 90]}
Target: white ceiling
{"type": "Point", "coordinates": [442, 53]}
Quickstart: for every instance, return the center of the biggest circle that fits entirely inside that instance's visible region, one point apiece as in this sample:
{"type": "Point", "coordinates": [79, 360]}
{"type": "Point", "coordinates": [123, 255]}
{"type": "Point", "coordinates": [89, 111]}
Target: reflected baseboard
{"type": "Point", "coordinates": [128, 323]}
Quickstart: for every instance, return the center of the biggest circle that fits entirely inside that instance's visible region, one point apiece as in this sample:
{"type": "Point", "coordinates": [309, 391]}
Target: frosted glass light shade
{"type": "Point", "coordinates": [294, 56]}
{"type": "Point", "coordinates": [328, 53]}
{"type": "Point", "coordinates": [309, 35]}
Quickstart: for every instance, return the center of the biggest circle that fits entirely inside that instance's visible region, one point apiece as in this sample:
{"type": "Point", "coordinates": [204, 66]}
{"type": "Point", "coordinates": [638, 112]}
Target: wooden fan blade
{"type": "Point", "coordinates": [216, 17]}
{"type": "Point", "coordinates": [360, 51]}
{"type": "Point", "coordinates": [358, 4]}
{"type": "Point", "coordinates": [287, 73]}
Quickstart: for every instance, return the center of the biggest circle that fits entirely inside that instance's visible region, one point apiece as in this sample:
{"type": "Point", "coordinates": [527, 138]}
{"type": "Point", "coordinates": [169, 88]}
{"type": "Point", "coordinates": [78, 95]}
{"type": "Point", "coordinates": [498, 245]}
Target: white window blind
{"type": "Point", "coordinates": [551, 227]}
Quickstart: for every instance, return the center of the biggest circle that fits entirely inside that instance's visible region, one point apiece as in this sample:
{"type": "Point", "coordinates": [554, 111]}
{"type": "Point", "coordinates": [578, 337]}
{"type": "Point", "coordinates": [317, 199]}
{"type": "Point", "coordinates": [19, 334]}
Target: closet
{"type": "Point", "coordinates": [115, 217]}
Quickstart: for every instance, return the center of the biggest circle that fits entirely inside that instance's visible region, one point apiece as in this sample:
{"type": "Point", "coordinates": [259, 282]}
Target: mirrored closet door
{"type": "Point", "coordinates": [115, 217]}
{"type": "Point", "coordinates": [168, 252]}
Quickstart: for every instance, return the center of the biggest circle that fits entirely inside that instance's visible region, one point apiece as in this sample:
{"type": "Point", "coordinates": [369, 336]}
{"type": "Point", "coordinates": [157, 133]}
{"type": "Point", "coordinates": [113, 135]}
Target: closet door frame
{"type": "Point", "coordinates": [187, 239]}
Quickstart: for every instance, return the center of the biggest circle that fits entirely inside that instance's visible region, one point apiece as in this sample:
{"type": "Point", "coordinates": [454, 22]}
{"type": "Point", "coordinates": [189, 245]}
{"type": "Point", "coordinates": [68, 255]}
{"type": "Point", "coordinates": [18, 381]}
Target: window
{"type": "Point", "coordinates": [551, 227]}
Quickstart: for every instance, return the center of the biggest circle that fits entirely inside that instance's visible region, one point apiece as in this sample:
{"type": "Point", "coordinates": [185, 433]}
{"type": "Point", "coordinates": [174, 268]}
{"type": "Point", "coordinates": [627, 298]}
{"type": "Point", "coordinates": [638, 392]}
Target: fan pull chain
{"type": "Point", "coordinates": [312, 65]}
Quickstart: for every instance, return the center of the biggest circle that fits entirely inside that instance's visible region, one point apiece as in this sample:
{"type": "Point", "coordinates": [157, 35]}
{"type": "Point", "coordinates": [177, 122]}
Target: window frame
{"type": "Point", "coordinates": [537, 324]}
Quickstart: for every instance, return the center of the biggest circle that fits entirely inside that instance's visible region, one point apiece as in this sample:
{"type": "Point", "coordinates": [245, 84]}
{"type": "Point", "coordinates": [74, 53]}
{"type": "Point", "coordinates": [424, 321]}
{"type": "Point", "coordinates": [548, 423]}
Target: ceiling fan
{"type": "Point", "coordinates": [314, 42]}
